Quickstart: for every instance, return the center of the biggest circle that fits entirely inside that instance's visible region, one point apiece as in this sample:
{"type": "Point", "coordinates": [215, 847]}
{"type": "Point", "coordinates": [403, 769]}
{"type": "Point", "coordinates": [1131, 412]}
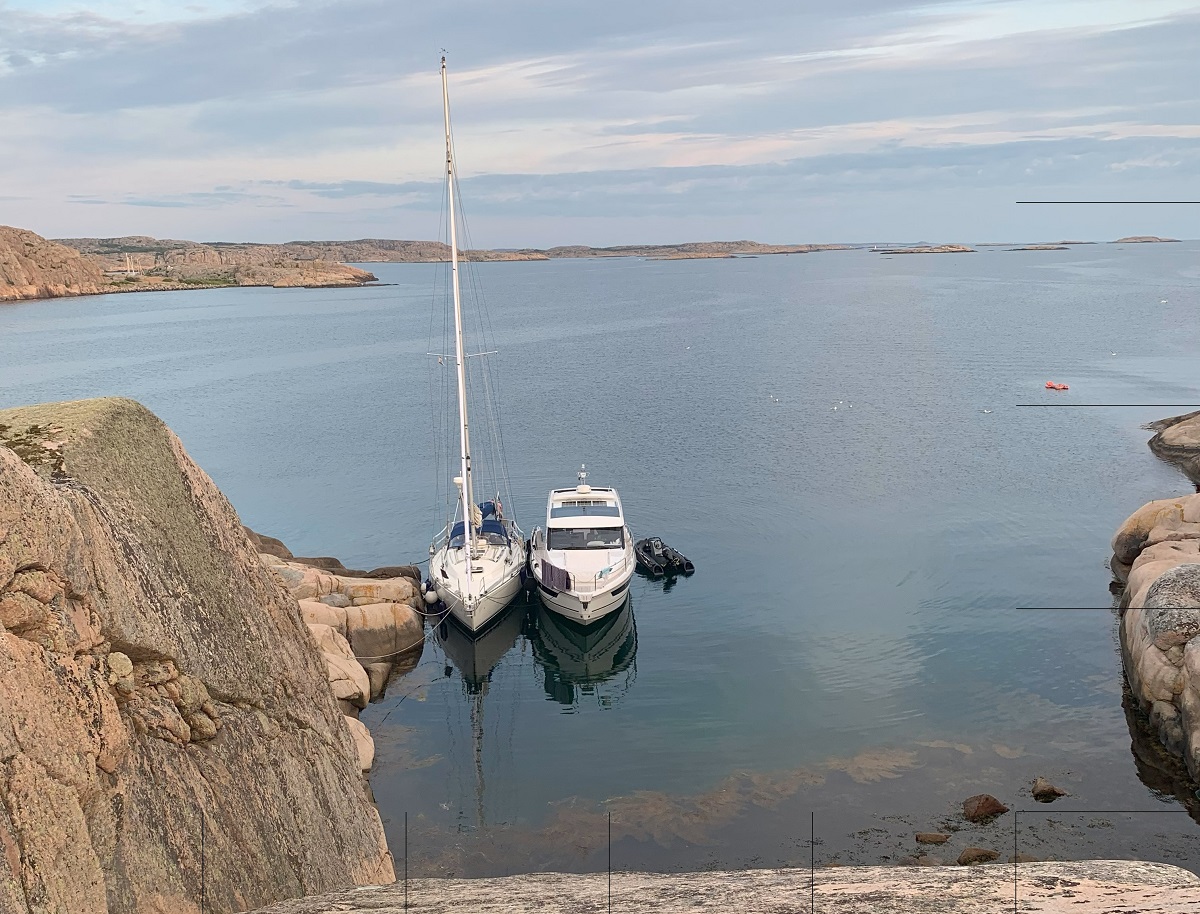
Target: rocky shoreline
{"type": "Point", "coordinates": [1156, 560]}
{"type": "Point", "coordinates": [32, 267]}
{"type": "Point", "coordinates": [1092, 887]}
{"type": "Point", "coordinates": [169, 737]}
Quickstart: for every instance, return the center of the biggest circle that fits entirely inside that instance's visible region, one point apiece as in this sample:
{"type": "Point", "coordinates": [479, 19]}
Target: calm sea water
{"type": "Point", "coordinates": [898, 602]}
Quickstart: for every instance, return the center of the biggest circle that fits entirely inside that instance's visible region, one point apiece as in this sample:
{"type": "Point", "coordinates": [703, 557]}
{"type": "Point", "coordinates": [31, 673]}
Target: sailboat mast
{"type": "Point", "coordinates": [459, 355]}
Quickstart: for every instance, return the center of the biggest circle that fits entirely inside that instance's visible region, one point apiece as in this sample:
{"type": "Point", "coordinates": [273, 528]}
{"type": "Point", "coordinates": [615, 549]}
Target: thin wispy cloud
{"type": "Point", "coordinates": [262, 121]}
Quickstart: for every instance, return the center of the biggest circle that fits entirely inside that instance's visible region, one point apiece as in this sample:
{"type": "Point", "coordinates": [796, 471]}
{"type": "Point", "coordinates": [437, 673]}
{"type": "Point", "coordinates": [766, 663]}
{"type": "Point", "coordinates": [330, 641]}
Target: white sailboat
{"type": "Point", "coordinates": [476, 562]}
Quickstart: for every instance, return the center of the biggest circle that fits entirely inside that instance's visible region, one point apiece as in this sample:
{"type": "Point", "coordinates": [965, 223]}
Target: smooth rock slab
{"type": "Point", "coordinates": [1093, 887]}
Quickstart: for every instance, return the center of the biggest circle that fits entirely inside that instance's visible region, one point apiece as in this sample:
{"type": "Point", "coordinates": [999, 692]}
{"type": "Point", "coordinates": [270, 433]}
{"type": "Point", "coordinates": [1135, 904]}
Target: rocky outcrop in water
{"type": "Point", "coordinates": [1092, 887]}
{"type": "Point", "coordinates": [1143, 239]}
{"type": "Point", "coordinates": [157, 684]}
{"type": "Point", "coordinates": [32, 267]}
{"type": "Point", "coordinates": [1156, 556]}
{"type": "Point", "coordinates": [1177, 441]}
{"type": "Point", "coordinates": [930, 249]}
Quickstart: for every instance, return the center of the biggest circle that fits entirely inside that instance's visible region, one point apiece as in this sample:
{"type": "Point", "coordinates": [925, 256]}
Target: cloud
{"type": "Point", "coordinates": [332, 109]}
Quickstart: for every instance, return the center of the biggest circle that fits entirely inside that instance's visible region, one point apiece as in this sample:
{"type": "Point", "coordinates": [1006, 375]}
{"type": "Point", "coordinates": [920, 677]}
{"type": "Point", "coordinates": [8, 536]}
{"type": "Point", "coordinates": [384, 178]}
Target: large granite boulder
{"type": "Point", "coordinates": [157, 680]}
{"type": "Point", "coordinates": [1157, 552]}
{"type": "Point", "coordinates": [1172, 518]}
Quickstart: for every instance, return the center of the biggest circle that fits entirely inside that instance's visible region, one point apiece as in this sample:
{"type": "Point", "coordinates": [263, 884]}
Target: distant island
{"type": "Point", "coordinates": [149, 252]}
{"type": "Point", "coordinates": [930, 249]}
{"type": "Point", "coordinates": [33, 267]}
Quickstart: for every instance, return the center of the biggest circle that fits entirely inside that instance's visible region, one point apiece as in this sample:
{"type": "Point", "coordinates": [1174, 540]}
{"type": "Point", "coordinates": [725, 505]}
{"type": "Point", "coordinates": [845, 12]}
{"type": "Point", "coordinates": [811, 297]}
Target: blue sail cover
{"type": "Point", "coordinates": [488, 526]}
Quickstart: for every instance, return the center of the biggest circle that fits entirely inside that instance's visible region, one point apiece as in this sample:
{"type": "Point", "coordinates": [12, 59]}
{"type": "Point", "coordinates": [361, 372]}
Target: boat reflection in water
{"type": "Point", "coordinates": [476, 656]}
{"type": "Point", "coordinates": [577, 660]}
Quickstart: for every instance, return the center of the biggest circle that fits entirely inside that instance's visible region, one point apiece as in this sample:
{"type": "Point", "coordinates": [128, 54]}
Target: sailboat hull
{"type": "Point", "coordinates": [486, 608]}
{"type": "Point", "coordinates": [495, 583]}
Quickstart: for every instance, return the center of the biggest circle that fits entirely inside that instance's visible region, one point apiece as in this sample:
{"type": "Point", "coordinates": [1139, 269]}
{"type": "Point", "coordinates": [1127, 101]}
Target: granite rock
{"type": "Point", "coordinates": [164, 678]}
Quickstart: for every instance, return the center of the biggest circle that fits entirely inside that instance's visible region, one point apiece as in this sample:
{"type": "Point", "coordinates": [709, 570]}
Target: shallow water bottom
{"type": "Point", "coordinates": [863, 810]}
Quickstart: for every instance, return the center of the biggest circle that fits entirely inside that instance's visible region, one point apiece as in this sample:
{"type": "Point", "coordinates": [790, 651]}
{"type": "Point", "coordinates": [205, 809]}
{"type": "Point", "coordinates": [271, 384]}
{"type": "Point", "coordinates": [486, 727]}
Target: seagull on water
{"type": "Point", "coordinates": [986, 412]}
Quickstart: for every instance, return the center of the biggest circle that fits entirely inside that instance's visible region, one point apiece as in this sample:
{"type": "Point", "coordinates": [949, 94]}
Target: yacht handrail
{"type": "Point", "coordinates": [594, 585]}
{"type": "Point", "coordinates": [584, 585]}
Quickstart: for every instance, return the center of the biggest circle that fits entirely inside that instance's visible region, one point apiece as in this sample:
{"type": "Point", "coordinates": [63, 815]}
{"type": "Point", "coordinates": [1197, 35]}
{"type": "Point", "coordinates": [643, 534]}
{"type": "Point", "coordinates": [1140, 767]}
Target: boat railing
{"type": "Point", "coordinates": [599, 581]}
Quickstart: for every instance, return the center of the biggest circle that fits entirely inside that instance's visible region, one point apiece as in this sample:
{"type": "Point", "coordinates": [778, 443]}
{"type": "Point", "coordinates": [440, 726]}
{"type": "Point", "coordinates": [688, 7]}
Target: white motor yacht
{"type": "Point", "coordinates": [583, 560]}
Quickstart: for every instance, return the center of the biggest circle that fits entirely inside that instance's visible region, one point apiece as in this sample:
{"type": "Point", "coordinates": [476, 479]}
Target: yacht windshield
{"type": "Point", "coordinates": [586, 538]}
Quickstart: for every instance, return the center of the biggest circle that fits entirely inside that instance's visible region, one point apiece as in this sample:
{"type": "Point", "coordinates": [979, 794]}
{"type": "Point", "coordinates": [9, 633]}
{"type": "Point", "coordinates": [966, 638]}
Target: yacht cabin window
{"type": "Point", "coordinates": [586, 538]}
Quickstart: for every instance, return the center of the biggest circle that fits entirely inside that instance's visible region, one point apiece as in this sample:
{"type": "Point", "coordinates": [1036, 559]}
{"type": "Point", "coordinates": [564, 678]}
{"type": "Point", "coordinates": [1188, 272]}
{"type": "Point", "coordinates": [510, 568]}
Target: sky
{"type": "Point", "coordinates": [782, 121]}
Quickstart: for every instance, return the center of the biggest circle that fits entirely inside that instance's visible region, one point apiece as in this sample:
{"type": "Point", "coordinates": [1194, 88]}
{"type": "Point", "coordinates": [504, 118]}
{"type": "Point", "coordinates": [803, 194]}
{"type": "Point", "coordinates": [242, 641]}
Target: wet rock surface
{"type": "Point", "coordinates": [973, 855]}
{"type": "Point", "coordinates": [1045, 792]}
{"type": "Point", "coordinates": [982, 808]}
